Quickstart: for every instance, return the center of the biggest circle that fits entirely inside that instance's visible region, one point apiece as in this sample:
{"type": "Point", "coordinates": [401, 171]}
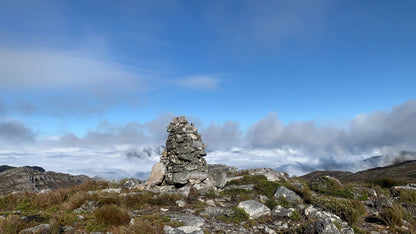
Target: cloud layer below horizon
{"type": "Point", "coordinates": [129, 150]}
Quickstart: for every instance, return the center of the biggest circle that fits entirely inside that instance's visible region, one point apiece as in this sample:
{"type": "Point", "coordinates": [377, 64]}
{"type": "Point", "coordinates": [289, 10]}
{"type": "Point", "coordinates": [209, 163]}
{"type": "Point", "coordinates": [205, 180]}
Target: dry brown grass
{"type": "Point", "coordinates": [13, 224]}
{"type": "Point", "coordinates": [111, 215]}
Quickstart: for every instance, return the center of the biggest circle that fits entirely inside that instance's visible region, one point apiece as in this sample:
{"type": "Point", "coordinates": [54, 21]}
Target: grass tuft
{"type": "Point", "coordinates": [111, 215]}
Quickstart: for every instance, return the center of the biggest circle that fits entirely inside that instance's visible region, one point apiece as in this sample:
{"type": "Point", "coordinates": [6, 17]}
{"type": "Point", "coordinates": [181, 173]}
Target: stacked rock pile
{"type": "Point", "coordinates": [183, 156]}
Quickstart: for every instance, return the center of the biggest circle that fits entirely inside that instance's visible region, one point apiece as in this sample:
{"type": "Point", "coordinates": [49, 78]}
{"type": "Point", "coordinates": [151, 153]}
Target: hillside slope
{"type": "Point", "coordinates": [32, 179]}
{"type": "Point", "coordinates": [399, 171]}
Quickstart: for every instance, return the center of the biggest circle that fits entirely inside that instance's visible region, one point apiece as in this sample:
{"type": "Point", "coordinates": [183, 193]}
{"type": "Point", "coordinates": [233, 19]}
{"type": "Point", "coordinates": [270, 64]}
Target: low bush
{"type": "Point", "coordinates": [139, 200]}
{"type": "Point", "coordinates": [238, 216]}
{"type": "Point", "coordinates": [406, 196]}
{"type": "Point", "coordinates": [265, 187]}
{"type": "Point", "coordinates": [388, 182]}
{"type": "Point", "coordinates": [393, 216]}
{"type": "Point", "coordinates": [348, 210]}
{"type": "Point", "coordinates": [330, 187]}
{"type": "Point", "coordinates": [165, 200]}
{"type": "Point", "coordinates": [111, 215]}
{"type": "Point", "coordinates": [237, 194]}
{"type": "Point", "coordinates": [151, 224]}
{"type": "Point", "coordinates": [12, 224]}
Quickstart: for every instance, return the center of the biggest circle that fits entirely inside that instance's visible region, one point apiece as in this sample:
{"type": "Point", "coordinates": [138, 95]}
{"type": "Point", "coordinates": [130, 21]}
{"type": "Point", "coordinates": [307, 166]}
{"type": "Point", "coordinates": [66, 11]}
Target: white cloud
{"type": "Point", "coordinates": [299, 147]}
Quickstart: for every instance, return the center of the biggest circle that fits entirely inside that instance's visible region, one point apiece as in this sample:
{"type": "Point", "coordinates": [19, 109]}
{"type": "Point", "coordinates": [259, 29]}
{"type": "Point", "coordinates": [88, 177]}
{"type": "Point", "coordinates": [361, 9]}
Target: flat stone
{"type": "Point", "coordinates": [43, 228]}
{"type": "Point", "coordinates": [254, 208]}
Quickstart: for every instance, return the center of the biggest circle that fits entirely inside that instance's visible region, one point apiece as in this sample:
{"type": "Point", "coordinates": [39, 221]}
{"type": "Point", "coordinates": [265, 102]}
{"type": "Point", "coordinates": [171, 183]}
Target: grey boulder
{"type": "Point", "coordinates": [288, 194]}
{"type": "Point", "coordinates": [254, 208]}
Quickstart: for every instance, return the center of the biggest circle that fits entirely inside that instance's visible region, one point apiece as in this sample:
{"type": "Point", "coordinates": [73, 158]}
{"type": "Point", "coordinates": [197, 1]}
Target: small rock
{"type": "Point", "coordinates": [87, 207]}
{"type": "Point", "coordinates": [43, 228]}
{"type": "Point", "coordinates": [132, 221]}
{"type": "Point", "coordinates": [164, 209]}
{"type": "Point", "coordinates": [180, 203]}
{"type": "Point", "coordinates": [322, 226]}
{"type": "Point", "coordinates": [282, 212]}
{"type": "Point", "coordinates": [269, 230]}
{"type": "Point", "coordinates": [111, 190]}
{"type": "Point", "coordinates": [210, 202]}
{"type": "Point", "coordinates": [254, 208]}
{"type": "Point", "coordinates": [80, 217]}
{"type": "Point", "coordinates": [131, 183]}
{"type": "Point", "coordinates": [182, 230]}
{"type": "Point", "coordinates": [262, 198]}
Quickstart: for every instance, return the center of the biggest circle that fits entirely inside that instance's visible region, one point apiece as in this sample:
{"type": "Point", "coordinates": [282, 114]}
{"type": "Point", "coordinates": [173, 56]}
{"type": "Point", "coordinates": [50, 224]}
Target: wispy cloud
{"type": "Point", "coordinates": [47, 69]}
{"type": "Point", "coordinates": [199, 82]}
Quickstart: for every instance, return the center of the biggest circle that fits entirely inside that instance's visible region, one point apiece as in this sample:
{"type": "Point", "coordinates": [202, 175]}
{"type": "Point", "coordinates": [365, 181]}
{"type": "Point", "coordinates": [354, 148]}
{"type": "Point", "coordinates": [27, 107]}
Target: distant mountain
{"type": "Point", "coordinates": [402, 171]}
{"type": "Point", "coordinates": [34, 179]}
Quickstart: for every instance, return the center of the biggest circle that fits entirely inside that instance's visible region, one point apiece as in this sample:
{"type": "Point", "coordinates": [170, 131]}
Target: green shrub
{"type": "Point", "coordinates": [111, 215]}
{"type": "Point", "coordinates": [237, 194]}
{"type": "Point", "coordinates": [296, 216]}
{"type": "Point", "coordinates": [388, 182]}
{"type": "Point", "coordinates": [271, 203]}
{"type": "Point", "coordinates": [348, 210]}
{"type": "Point", "coordinates": [265, 187]}
{"type": "Point", "coordinates": [283, 202]}
{"type": "Point", "coordinates": [247, 180]}
{"type": "Point", "coordinates": [329, 187]}
{"type": "Point", "coordinates": [96, 227]}
{"type": "Point", "coordinates": [357, 230]}
{"type": "Point", "coordinates": [165, 199]}
{"type": "Point", "coordinates": [238, 216]}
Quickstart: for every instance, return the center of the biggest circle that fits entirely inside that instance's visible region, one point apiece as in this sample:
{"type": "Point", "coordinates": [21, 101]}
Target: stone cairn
{"type": "Point", "coordinates": [182, 161]}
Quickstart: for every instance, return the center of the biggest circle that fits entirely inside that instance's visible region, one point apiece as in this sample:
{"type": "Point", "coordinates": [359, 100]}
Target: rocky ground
{"type": "Point", "coordinates": [248, 201]}
{"type": "Point", "coordinates": [186, 195]}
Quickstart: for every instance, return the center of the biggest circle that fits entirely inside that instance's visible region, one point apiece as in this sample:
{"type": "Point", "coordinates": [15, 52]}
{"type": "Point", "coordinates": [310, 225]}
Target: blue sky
{"type": "Point", "coordinates": [72, 67]}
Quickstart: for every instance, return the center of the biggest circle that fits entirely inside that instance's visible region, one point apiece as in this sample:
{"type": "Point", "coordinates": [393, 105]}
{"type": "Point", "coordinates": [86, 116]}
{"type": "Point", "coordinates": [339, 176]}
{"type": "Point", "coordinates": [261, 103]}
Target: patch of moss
{"type": "Point", "coordinates": [330, 187]}
{"type": "Point", "coordinates": [265, 187]}
{"type": "Point", "coordinates": [238, 216]}
{"type": "Point", "coordinates": [93, 226]}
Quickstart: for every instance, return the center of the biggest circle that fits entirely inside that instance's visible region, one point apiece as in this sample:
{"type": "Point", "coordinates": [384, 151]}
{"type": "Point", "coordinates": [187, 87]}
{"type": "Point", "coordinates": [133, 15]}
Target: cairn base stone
{"type": "Point", "coordinates": [157, 174]}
